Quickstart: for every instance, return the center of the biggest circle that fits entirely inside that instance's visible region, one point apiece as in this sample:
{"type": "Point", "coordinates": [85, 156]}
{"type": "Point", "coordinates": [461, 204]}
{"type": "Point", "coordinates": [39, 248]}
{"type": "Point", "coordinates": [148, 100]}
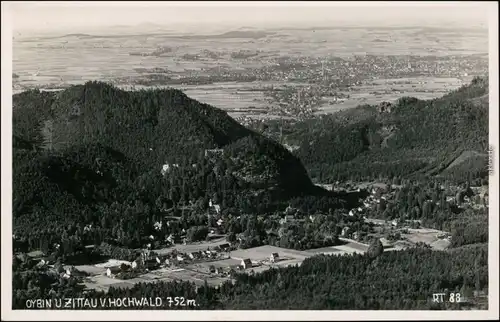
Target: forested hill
{"type": "Point", "coordinates": [444, 137]}
{"type": "Point", "coordinates": [152, 128]}
{"type": "Point", "coordinates": [120, 161]}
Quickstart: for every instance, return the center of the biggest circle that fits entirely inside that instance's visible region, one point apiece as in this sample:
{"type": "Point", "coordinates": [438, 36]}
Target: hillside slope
{"type": "Point", "coordinates": [94, 154]}
{"type": "Point", "coordinates": [150, 127]}
{"type": "Point", "coordinates": [407, 138]}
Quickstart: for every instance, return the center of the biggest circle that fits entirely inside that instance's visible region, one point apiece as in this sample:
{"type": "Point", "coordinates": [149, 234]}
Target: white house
{"type": "Point", "coordinates": [220, 222]}
{"type": "Point", "coordinates": [246, 263]}
{"type": "Point", "coordinates": [345, 230]}
{"type": "Point", "coordinates": [351, 213]}
{"type": "Point", "coordinates": [180, 258]}
{"type": "Point", "coordinates": [217, 209]}
{"type": "Point", "coordinates": [41, 263]}
{"type": "Point", "coordinates": [194, 255]}
{"type": "Point", "coordinates": [158, 225]}
{"type": "Point", "coordinates": [165, 169]}
{"type": "Point", "coordinates": [355, 235]}
{"type": "Point", "coordinates": [274, 257]}
{"type": "Point", "coordinates": [112, 271]}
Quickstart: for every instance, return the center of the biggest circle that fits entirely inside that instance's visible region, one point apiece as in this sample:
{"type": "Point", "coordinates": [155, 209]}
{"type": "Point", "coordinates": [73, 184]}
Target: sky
{"type": "Point", "coordinates": [71, 16]}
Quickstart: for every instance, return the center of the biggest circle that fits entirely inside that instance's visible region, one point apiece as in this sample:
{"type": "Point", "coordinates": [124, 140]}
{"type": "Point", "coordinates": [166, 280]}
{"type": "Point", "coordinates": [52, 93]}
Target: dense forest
{"type": "Point", "coordinates": [121, 171]}
{"type": "Point", "coordinates": [445, 137]}
{"type": "Point", "coordinates": [388, 281]}
{"type": "Point", "coordinates": [94, 164]}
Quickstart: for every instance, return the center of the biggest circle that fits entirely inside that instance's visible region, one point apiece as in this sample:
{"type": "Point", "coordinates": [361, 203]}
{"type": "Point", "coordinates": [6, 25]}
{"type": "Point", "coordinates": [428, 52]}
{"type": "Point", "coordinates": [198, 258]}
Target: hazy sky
{"type": "Point", "coordinates": [69, 16]}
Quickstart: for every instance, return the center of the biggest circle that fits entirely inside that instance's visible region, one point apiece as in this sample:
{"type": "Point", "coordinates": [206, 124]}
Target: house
{"type": "Point", "coordinates": [180, 258]}
{"type": "Point", "coordinates": [246, 263]}
{"type": "Point", "coordinates": [41, 263]}
{"type": "Point", "coordinates": [137, 263]}
{"type": "Point", "coordinates": [112, 271]}
{"type": "Point", "coordinates": [274, 257]}
{"type": "Point", "coordinates": [165, 169]}
{"type": "Point", "coordinates": [217, 209]}
{"type": "Point", "coordinates": [151, 263]}
{"type": "Point", "coordinates": [285, 219]}
{"type": "Point", "coordinates": [212, 269]}
{"type": "Point", "coordinates": [386, 243]}
{"type": "Point", "coordinates": [72, 271]}
{"type": "Point", "coordinates": [352, 213]}
{"type": "Point", "coordinates": [171, 239]}
{"type": "Point", "coordinates": [355, 235]}
{"type": "Point", "coordinates": [194, 255]}
{"type": "Point", "coordinates": [224, 247]}
{"type": "Point", "coordinates": [311, 218]}
{"type": "Point", "coordinates": [345, 231]}
{"type": "Point", "coordinates": [289, 210]}
{"type": "Point", "coordinates": [220, 222]}
{"type": "Point", "coordinates": [394, 223]}
{"type": "Point", "coordinates": [158, 225]}
{"type": "Point", "coordinates": [167, 262]}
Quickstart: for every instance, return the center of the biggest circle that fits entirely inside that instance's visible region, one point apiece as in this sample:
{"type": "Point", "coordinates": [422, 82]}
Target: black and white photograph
{"type": "Point", "coordinates": [249, 160]}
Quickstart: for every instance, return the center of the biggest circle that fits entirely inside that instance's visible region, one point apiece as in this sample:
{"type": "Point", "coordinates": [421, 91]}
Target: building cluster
{"type": "Point", "coordinates": [149, 261]}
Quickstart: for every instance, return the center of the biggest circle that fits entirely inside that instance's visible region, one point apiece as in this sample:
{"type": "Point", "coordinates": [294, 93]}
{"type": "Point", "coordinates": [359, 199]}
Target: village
{"type": "Point", "coordinates": [216, 260]}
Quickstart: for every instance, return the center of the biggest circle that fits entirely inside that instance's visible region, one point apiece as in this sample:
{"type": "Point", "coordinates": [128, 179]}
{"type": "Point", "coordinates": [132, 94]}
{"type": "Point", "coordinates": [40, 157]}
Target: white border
{"type": "Point", "coordinates": [8, 314]}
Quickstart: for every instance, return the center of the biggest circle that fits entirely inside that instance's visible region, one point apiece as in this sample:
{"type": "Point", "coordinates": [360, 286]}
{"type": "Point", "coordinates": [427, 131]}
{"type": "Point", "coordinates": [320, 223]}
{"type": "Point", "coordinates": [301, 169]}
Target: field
{"type": "Point", "coordinates": [199, 272]}
{"type": "Point", "coordinates": [194, 247]}
{"type": "Point", "coordinates": [428, 236]}
{"type": "Point", "coordinates": [54, 62]}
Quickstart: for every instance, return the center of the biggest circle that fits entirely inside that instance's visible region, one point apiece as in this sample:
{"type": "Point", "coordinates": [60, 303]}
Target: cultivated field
{"type": "Point", "coordinates": [199, 272]}
{"type": "Point", "coordinates": [74, 59]}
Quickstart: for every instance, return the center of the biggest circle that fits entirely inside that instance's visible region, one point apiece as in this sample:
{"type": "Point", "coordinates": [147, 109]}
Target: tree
{"type": "Point", "coordinates": [376, 248]}
{"type": "Point", "coordinates": [231, 237]}
{"type": "Point", "coordinates": [197, 233]}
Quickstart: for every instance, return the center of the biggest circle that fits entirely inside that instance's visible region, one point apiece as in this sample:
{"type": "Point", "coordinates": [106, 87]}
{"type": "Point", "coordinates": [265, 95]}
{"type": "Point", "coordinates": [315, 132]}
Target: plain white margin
{"type": "Point", "coordinates": [9, 315]}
